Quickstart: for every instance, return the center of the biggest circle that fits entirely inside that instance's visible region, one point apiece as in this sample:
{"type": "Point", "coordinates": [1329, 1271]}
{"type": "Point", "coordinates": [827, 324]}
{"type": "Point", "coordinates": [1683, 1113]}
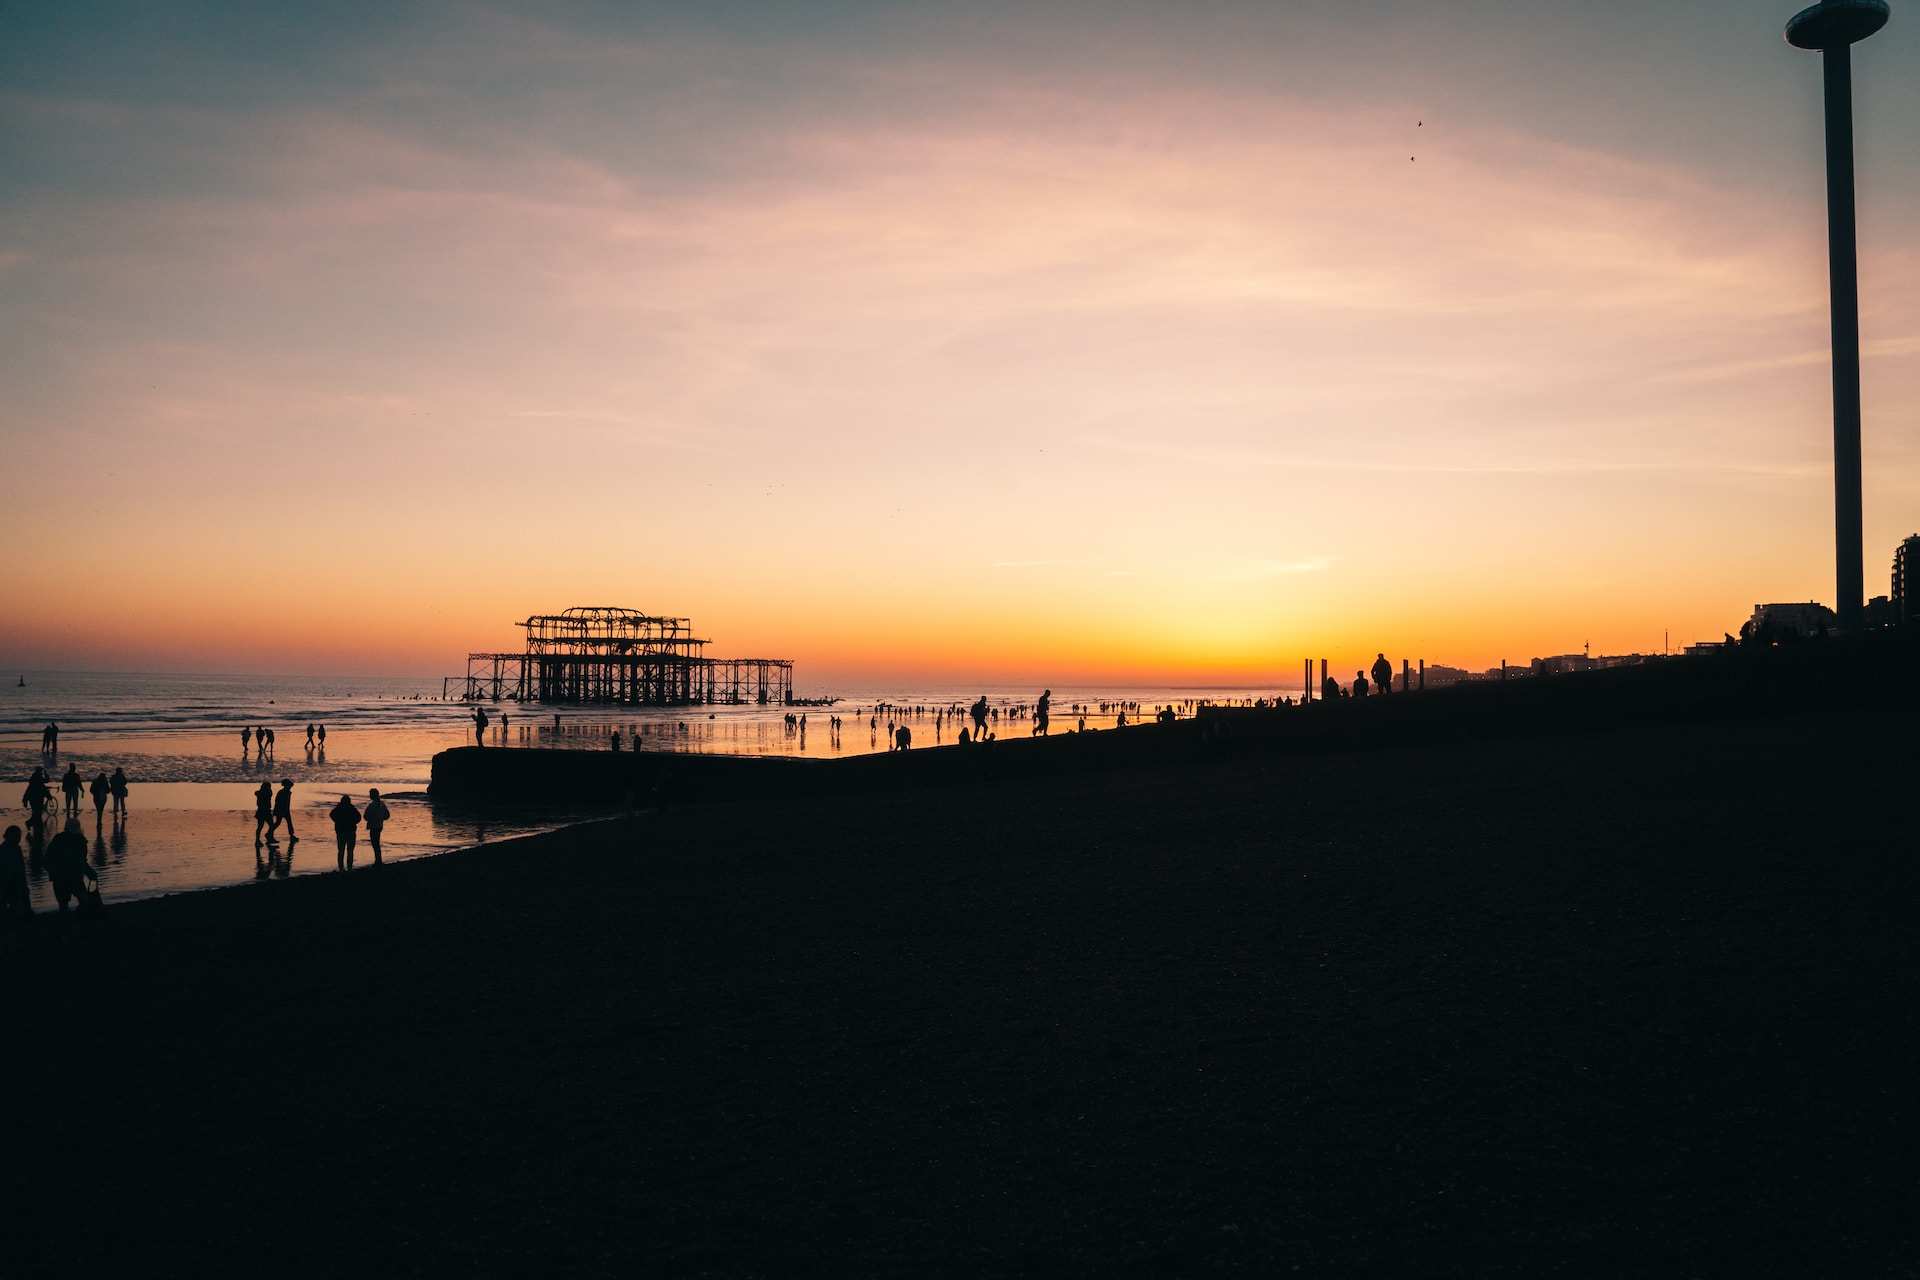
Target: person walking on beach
{"type": "Point", "coordinates": [1382, 673]}
{"type": "Point", "coordinates": [100, 790]}
{"type": "Point", "coordinates": [246, 739]}
{"type": "Point", "coordinates": [616, 739]}
{"type": "Point", "coordinates": [267, 736]}
{"type": "Point", "coordinates": [117, 784]}
{"type": "Point", "coordinates": [309, 735]}
{"type": "Point", "coordinates": [346, 821]}
{"type": "Point", "coordinates": [979, 713]}
{"type": "Point", "coordinates": [1041, 709]}
{"type": "Point", "coordinates": [67, 863]}
{"type": "Point", "coordinates": [323, 737]}
{"type": "Point", "coordinates": [283, 809]}
{"type": "Point", "coordinates": [14, 902]}
{"type": "Point", "coordinates": [50, 738]}
{"type": "Point", "coordinates": [902, 738]}
{"type": "Point", "coordinates": [71, 787]}
{"type": "Point", "coordinates": [480, 726]}
{"type": "Point", "coordinates": [376, 814]}
{"type": "Point", "coordinates": [262, 812]}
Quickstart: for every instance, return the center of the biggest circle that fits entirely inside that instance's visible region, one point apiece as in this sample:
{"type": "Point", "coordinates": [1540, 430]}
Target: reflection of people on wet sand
{"type": "Point", "coordinates": [14, 902]}
{"type": "Point", "coordinates": [283, 808]}
{"type": "Point", "coordinates": [377, 814]}
{"type": "Point", "coordinates": [346, 822]}
{"type": "Point", "coordinates": [262, 812]}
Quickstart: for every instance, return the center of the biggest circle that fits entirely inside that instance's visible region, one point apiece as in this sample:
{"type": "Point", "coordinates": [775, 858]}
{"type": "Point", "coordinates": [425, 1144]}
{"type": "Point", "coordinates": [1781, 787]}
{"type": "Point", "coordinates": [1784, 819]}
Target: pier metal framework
{"type": "Point", "coordinates": [604, 654]}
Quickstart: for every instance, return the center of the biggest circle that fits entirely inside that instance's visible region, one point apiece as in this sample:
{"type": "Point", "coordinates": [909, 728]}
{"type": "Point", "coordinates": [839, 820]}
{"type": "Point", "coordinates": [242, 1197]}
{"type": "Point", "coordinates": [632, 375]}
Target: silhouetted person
{"type": "Point", "coordinates": [1041, 710]}
{"type": "Point", "coordinates": [377, 814]}
{"type": "Point", "coordinates": [100, 790]}
{"type": "Point", "coordinates": [979, 713]}
{"type": "Point", "coordinates": [262, 811]}
{"type": "Point", "coordinates": [272, 739]}
{"type": "Point", "coordinates": [346, 824]}
{"type": "Point", "coordinates": [283, 808]}
{"type": "Point", "coordinates": [1382, 673]}
{"type": "Point", "coordinates": [902, 738]}
{"type": "Point", "coordinates": [309, 735]}
{"type": "Point", "coordinates": [323, 736]}
{"type": "Point", "coordinates": [480, 726]}
{"type": "Point", "coordinates": [36, 798]}
{"type": "Point", "coordinates": [50, 737]}
{"type": "Point", "coordinates": [1359, 684]}
{"type": "Point", "coordinates": [1330, 689]}
{"type": "Point", "coordinates": [14, 903]}
{"type": "Point", "coordinates": [246, 739]}
{"type": "Point", "coordinates": [67, 863]}
{"type": "Point", "coordinates": [117, 784]}
{"type": "Point", "coordinates": [965, 738]}
{"type": "Point", "coordinates": [616, 739]}
{"type": "Point", "coordinates": [71, 787]}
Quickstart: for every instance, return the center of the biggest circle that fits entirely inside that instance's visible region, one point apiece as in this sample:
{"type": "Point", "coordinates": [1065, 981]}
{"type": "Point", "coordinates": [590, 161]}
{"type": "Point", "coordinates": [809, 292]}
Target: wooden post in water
{"type": "Point", "coordinates": [1306, 679]}
{"type": "Point", "coordinates": [1323, 673]}
{"type": "Point", "coordinates": [1406, 678]}
{"type": "Point", "coordinates": [1423, 675]}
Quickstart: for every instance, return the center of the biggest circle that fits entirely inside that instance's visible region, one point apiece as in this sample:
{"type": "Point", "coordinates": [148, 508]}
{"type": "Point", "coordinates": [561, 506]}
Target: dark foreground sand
{"type": "Point", "coordinates": [1631, 1003]}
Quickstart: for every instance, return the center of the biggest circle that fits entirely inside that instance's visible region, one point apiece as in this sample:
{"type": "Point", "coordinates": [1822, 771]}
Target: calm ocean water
{"type": "Point", "coordinates": [190, 824]}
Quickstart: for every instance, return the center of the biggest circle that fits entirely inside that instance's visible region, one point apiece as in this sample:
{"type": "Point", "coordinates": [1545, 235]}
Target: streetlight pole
{"type": "Point", "coordinates": [1833, 27]}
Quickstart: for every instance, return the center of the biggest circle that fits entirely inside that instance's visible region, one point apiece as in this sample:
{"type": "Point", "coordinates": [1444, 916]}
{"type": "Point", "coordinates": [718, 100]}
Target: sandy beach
{"type": "Point", "coordinates": [1518, 1007]}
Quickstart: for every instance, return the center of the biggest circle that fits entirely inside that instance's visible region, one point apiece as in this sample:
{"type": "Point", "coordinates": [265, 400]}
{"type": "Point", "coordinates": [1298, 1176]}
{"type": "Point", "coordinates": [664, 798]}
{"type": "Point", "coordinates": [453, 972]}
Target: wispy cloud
{"type": "Point", "coordinates": [1241, 458]}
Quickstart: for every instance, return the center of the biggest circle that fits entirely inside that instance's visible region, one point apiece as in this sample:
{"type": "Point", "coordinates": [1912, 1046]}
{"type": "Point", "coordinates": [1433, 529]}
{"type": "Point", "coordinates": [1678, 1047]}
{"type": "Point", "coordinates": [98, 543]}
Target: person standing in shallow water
{"type": "Point", "coordinates": [70, 787]}
{"type": "Point", "coordinates": [479, 726]}
{"type": "Point", "coordinates": [283, 809]}
{"type": "Point", "coordinates": [1382, 674]}
{"type": "Point", "coordinates": [262, 811]}
{"type": "Point", "coordinates": [346, 820]}
{"type": "Point", "coordinates": [377, 814]}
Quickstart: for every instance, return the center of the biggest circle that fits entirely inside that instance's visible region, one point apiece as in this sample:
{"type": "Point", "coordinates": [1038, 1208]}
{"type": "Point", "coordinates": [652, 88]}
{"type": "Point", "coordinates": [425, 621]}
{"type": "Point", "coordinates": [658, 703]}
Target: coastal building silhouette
{"type": "Point", "coordinates": [608, 654]}
{"type": "Point", "coordinates": [1906, 580]}
{"type": "Point", "coordinates": [1802, 619]}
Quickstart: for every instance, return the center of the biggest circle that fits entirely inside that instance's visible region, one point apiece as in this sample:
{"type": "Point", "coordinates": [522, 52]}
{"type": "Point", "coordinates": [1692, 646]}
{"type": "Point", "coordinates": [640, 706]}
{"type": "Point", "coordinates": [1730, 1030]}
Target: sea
{"type": "Point", "coordinates": [189, 823]}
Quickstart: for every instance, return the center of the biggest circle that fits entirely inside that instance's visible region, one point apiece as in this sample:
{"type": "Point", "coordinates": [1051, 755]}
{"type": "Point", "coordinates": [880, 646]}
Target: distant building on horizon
{"type": "Point", "coordinates": [1800, 619]}
{"type": "Point", "coordinates": [1906, 580]}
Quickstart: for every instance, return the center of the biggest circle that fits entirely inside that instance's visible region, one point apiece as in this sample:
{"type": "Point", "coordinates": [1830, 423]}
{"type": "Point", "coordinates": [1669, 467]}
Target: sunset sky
{"type": "Point", "coordinates": [955, 342]}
